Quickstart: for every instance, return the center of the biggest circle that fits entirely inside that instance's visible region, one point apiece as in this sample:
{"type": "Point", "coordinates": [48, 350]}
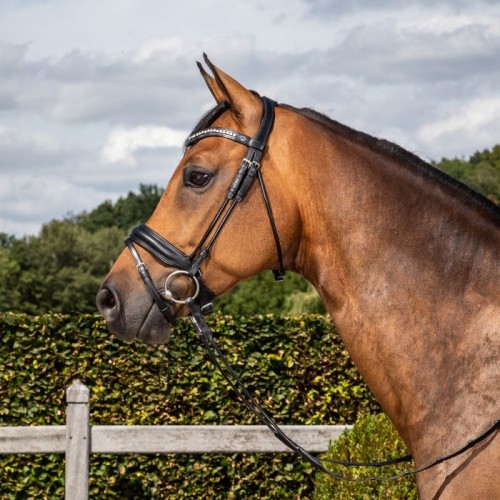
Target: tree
{"type": "Point", "coordinates": [481, 172]}
{"type": "Point", "coordinates": [9, 273]}
{"type": "Point", "coordinates": [6, 240]}
{"type": "Point", "coordinates": [60, 270]}
{"type": "Point", "coordinates": [125, 213]}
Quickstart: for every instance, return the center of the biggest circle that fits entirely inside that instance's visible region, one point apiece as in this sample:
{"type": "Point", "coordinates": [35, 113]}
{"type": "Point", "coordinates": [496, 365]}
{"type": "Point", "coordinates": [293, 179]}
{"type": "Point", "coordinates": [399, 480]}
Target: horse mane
{"type": "Point", "coordinates": [404, 158]}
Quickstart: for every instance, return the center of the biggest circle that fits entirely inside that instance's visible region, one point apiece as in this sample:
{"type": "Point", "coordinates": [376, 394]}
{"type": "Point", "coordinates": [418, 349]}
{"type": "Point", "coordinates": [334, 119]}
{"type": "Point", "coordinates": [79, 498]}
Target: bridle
{"type": "Point", "coordinates": [200, 302]}
{"type": "Point", "coordinates": [169, 255]}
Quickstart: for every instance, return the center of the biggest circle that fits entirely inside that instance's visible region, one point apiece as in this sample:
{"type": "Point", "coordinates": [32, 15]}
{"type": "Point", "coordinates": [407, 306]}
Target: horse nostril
{"type": "Point", "coordinates": [107, 303]}
{"type": "Point", "coordinates": [109, 300]}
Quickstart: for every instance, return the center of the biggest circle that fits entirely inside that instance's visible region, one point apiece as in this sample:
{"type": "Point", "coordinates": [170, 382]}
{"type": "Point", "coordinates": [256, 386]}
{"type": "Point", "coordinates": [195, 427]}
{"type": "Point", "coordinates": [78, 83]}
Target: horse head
{"type": "Point", "coordinates": [214, 236]}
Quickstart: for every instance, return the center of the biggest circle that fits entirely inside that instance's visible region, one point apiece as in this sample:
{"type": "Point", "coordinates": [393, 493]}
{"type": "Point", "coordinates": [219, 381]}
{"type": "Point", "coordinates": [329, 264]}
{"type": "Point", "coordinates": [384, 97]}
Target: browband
{"type": "Point", "coordinates": [225, 133]}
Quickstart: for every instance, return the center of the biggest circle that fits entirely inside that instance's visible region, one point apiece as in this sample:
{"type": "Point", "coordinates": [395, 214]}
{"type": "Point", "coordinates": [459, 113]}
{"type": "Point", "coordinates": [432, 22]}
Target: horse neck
{"type": "Point", "coordinates": [410, 276]}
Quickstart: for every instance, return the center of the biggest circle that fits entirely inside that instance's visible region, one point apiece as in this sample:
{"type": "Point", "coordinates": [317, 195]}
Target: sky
{"type": "Point", "coordinates": [96, 97]}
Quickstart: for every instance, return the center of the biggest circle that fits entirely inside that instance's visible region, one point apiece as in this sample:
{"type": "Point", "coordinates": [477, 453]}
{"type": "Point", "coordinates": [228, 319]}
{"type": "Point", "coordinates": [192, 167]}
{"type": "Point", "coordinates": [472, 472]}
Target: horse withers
{"type": "Point", "coordinates": [405, 259]}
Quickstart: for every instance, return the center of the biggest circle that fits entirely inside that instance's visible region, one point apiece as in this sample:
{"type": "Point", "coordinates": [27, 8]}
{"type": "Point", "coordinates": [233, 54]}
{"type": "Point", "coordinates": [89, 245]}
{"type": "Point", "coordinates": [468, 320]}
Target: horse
{"type": "Point", "coordinates": [405, 259]}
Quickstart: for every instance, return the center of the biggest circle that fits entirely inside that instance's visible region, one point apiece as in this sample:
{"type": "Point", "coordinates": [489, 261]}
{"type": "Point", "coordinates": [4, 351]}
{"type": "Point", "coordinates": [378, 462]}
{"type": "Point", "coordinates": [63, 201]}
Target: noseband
{"type": "Point", "coordinates": [171, 256]}
{"type": "Point", "coordinates": [200, 302]}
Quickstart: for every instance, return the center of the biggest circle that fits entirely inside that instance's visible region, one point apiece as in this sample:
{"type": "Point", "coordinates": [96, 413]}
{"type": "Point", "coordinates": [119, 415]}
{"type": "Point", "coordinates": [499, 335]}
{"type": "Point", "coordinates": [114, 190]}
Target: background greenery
{"type": "Point", "coordinates": [61, 268]}
{"type": "Point", "coordinates": [372, 438]}
{"type": "Point", "coordinates": [310, 381]}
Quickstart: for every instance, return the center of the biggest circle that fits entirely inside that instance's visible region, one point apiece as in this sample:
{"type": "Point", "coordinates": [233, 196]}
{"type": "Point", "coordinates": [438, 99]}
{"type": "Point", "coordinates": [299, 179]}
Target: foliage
{"type": "Point", "coordinates": [125, 213]}
{"type": "Point", "coordinates": [262, 294]}
{"type": "Point", "coordinates": [372, 438]}
{"type": "Point", "coordinates": [59, 270]}
{"type": "Point", "coordinates": [9, 273]}
{"type": "Point", "coordinates": [304, 301]}
{"type": "Point", "coordinates": [481, 172]}
{"type": "Point", "coordinates": [297, 367]}
{"type": "Point", "coordinates": [62, 268]}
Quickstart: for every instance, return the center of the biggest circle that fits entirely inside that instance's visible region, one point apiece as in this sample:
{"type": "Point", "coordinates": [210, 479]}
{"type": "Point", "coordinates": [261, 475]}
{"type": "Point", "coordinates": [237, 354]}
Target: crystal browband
{"type": "Point", "coordinates": [219, 132]}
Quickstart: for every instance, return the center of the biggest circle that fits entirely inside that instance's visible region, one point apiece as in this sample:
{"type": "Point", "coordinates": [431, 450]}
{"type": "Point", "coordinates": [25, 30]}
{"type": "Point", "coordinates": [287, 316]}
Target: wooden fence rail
{"type": "Point", "coordinates": [77, 439]}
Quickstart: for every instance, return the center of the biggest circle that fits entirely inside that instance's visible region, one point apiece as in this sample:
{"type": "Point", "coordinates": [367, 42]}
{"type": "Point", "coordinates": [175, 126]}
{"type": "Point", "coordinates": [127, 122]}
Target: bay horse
{"type": "Point", "coordinates": [405, 259]}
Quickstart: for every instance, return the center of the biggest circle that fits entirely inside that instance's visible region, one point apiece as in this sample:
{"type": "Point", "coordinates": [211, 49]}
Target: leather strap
{"type": "Point", "coordinates": [245, 177]}
{"type": "Point", "coordinates": [163, 250]}
{"type": "Point", "coordinates": [170, 256]}
{"type": "Point", "coordinates": [258, 142]}
{"type": "Point", "coordinates": [162, 304]}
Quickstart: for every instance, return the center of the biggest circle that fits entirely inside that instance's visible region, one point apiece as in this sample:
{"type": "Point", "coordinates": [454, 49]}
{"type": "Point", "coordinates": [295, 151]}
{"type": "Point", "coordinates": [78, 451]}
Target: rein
{"type": "Point", "coordinates": [200, 302]}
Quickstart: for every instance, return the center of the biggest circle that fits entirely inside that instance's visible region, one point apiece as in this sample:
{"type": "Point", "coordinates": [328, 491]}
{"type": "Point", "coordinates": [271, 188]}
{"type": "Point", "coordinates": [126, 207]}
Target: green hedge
{"type": "Point", "coordinates": [373, 437]}
{"type": "Point", "coordinates": [297, 367]}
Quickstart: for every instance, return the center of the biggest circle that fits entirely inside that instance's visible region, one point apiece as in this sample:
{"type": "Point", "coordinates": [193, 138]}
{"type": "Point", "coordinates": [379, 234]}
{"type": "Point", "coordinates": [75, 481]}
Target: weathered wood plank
{"type": "Point", "coordinates": [39, 439]}
{"type": "Point", "coordinates": [77, 442]}
{"type": "Point", "coordinates": [208, 438]}
{"type": "Point", "coordinates": [168, 439]}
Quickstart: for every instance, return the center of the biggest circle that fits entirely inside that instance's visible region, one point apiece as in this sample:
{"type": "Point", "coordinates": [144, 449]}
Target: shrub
{"type": "Point", "coordinates": [297, 367]}
{"type": "Point", "coordinates": [372, 438]}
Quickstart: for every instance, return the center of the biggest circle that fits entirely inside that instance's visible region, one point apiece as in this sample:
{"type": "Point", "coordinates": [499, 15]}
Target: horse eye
{"type": "Point", "coordinates": [198, 179]}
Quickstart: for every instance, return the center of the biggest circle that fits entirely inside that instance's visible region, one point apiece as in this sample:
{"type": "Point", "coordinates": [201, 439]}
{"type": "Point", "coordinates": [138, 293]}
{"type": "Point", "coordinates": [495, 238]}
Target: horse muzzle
{"type": "Point", "coordinates": [132, 318]}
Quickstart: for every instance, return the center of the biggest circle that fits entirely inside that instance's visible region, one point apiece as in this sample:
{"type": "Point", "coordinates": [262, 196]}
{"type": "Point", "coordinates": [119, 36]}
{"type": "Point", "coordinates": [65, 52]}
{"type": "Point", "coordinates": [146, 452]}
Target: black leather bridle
{"type": "Point", "coordinates": [169, 255]}
{"type": "Point", "coordinates": [200, 302]}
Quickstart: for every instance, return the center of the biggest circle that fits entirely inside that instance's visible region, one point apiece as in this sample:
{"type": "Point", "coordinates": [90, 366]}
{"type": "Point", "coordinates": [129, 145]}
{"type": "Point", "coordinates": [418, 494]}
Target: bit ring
{"type": "Point", "coordinates": [170, 296]}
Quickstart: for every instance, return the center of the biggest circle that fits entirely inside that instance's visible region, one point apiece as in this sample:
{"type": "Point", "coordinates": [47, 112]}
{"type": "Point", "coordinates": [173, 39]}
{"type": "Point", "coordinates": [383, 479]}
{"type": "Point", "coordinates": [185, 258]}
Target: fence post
{"type": "Point", "coordinates": [77, 442]}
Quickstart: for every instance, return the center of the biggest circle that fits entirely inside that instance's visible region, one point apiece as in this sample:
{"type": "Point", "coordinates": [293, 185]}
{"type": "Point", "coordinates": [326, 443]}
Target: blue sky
{"type": "Point", "coordinates": [95, 97]}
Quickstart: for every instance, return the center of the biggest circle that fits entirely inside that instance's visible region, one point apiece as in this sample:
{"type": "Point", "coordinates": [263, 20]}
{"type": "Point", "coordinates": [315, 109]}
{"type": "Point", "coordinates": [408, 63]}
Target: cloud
{"type": "Point", "coordinates": [156, 83]}
{"type": "Point", "coordinates": [88, 87]}
{"type": "Point", "coordinates": [90, 108]}
{"type": "Point", "coordinates": [388, 52]}
{"type": "Point", "coordinates": [336, 8]}
{"type": "Point", "coordinates": [7, 101]}
{"type": "Point", "coordinates": [122, 142]}
{"type": "Point", "coordinates": [22, 150]}
{"type": "Point", "coordinates": [475, 126]}
{"type": "Point", "coordinates": [13, 59]}
{"type": "Point", "coordinates": [26, 201]}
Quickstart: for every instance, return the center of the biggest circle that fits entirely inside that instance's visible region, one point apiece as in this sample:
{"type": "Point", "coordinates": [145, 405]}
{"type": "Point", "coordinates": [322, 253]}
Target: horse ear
{"type": "Point", "coordinates": [244, 105]}
{"type": "Point", "coordinates": [212, 85]}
